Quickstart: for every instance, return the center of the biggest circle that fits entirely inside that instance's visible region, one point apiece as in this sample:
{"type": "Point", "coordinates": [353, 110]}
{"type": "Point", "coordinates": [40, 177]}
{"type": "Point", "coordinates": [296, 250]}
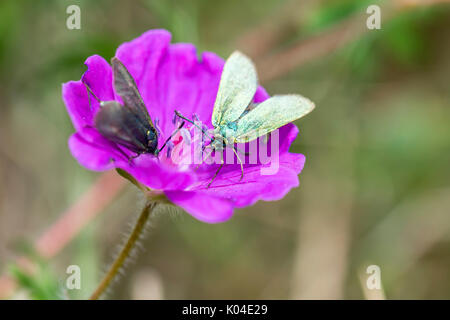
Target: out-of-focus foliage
{"type": "Point", "coordinates": [41, 285]}
{"type": "Point", "coordinates": [374, 190]}
{"type": "Point", "coordinates": [325, 16]}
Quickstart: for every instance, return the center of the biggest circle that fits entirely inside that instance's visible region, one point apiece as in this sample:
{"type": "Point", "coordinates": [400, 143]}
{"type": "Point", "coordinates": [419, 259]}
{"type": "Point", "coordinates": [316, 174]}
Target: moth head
{"type": "Point", "coordinates": [219, 142]}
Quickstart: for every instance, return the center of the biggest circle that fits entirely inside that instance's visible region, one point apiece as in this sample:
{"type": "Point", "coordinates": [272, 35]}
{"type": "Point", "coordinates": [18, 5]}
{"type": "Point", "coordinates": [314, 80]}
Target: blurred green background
{"type": "Point", "coordinates": [375, 188]}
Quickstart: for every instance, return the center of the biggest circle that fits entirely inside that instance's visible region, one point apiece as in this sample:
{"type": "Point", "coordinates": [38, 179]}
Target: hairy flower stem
{"type": "Point", "coordinates": [126, 250]}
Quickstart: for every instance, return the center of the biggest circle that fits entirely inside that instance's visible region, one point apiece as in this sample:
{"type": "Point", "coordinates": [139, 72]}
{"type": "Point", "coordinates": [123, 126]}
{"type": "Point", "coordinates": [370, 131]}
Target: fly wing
{"type": "Point", "coordinates": [122, 126]}
{"type": "Point", "coordinates": [237, 87]}
{"type": "Point", "coordinates": [126, 88]}
{"type": "Point", "coordinates": [271, 114]}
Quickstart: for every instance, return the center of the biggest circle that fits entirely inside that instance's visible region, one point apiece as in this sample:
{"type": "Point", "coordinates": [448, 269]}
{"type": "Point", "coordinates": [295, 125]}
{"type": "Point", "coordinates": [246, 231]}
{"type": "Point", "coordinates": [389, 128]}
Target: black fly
{"type": "Point", "coordinates": [128, 125]}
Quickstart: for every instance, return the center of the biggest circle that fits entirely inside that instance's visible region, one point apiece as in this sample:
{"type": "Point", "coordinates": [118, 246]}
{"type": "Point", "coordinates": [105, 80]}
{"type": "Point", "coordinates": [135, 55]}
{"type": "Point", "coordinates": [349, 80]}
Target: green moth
{"type": "Point", "coordinates": [236, 119]}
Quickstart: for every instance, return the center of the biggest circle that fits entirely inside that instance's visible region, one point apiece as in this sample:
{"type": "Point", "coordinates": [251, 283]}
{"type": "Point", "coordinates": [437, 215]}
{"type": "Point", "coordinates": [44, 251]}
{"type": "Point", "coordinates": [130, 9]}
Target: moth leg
{"type": "Point", "coordinates": [217, 172]}
{"type": "Point", "coordinates": [193, 123]}
{"type": "Point", "coordinates": [243, 152]}
{"type": "Point", "coordinates": [209, 154]}
{"type": "Point", "coordinates": [240, 162]}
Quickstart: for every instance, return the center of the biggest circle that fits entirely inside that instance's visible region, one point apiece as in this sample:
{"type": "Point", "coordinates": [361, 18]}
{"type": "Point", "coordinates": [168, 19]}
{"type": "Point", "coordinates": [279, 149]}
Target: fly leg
{"type": "Point", "coordinates": [89, 94]}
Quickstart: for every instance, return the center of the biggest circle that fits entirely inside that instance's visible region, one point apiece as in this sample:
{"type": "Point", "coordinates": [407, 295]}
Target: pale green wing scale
{"type": "Point", "coordinates": [271, 114]}
{"type": "Point", "coordinates": [237, 87]}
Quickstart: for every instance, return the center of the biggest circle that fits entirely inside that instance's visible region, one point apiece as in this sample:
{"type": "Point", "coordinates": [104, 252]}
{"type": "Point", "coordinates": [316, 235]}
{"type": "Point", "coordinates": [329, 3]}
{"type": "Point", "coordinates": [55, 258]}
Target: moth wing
{"type": "Point", "coordinates": [126, 88]}
{"type": "Point", "coordinates": [237, 87]}
{"type": "Point", "coordinates": [271, 114]}
{"type": "Point", "coordinates": [120, 125]}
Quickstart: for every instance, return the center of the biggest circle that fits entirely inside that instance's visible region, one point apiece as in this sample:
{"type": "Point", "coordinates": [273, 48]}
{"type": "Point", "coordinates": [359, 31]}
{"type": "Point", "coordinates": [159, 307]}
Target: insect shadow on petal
{"type": "Point", "coordinates": [128, 125]}
{"type": "Point", "coordinates": [236, 120]}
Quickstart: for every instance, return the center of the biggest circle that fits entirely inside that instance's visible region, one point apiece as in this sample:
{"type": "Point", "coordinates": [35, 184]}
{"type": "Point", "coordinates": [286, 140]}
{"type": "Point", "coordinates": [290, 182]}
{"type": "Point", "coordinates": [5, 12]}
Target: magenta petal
{"type": "Point", "coordinates": [153, 173]}
{"type": "Point", "coordinates": [256, 186]}
{"type": "Point", "coordinates": [206, 208]}
{"type": "Point", "coordinates": [142, 56]}
{"type": "Point", "coordinates": [77, 104]}
{"type": "Point", "coordinates": [213, 62]}
{"type": "Point", "coordinates": [287, 135]}
{"type": "Point", "coordinates": [172, 77]}
{"type": "Point", "coordinates": [89, 154]}
{"type": "Point", "coordinates": [260, 95]}
{"type": "Point", "coordinates": [183, 83]}
{"type": "Point", "coordinates": [98, 77]}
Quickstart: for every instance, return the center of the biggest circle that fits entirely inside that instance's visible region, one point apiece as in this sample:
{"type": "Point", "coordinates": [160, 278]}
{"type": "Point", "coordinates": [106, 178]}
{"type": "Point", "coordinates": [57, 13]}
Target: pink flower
{"type": "Point", "coordinates": [171, 77]}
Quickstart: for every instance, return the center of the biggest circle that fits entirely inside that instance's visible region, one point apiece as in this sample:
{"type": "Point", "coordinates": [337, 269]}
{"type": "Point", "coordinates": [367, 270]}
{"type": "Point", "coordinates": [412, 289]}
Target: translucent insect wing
{"type": "Point", "coordinates": [237, 87]}
{"type": "Point", "coordinates": [120, 125]}
{"type": "Point", "coordinates": [271, 114]}
{"type": "Point", "coordinates": [126, 88]}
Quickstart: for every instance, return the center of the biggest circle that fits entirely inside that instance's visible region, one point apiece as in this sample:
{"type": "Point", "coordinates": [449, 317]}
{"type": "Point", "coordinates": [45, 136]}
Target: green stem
{"type": "Point", "coordinates": [126, 251]}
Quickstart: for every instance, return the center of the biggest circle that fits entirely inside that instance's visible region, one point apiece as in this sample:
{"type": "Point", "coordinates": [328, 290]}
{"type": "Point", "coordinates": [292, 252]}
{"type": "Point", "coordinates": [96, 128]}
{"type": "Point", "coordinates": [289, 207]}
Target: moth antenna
{"type": "Point", "coordinates": [193, 123]}
{"type": "Point", "coordinates": [171, 136]}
